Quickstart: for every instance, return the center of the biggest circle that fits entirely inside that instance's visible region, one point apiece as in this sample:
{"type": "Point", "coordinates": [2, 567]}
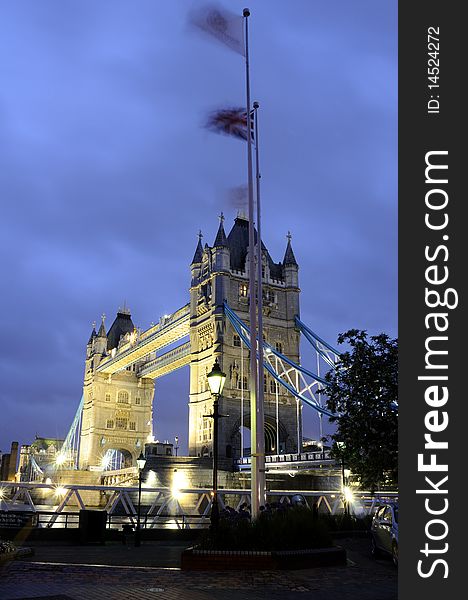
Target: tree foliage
{"type": "Point", "coordinates": [363, 393]}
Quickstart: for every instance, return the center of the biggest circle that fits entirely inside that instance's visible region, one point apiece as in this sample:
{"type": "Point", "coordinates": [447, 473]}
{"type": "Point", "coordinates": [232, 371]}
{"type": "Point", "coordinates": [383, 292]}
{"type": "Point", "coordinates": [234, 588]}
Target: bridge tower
{"type": "Point", "coordinates": [220, 273]}
{"type": "Point", "coordinates": [117, 408]}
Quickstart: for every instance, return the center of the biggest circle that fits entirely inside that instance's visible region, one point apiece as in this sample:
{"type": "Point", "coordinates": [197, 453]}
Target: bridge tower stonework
{"type": "Point", "coordinates": [117, 408]}
{"type": "Point", "coordinates": [221, 273]}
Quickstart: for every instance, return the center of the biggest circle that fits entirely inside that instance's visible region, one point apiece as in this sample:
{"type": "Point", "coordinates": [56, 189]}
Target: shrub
{"type": "Point", "coordinates": [294, 529]}
{"type": "Point", "coordinates": [6, 547]}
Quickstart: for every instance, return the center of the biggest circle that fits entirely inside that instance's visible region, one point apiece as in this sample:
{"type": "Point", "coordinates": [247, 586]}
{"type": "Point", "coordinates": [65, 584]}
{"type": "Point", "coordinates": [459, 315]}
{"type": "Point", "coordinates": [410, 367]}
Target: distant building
{"type": "Point", "coordinates": [159, 449]}
{"type": "Point", "coordinates": [8, 463]}
{"type": "Point", "coordinates": [38, 458]}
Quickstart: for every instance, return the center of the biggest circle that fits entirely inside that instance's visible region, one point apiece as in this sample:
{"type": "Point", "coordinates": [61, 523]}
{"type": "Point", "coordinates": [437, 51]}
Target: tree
{"type": "Point", "coordinates": [363, 394]}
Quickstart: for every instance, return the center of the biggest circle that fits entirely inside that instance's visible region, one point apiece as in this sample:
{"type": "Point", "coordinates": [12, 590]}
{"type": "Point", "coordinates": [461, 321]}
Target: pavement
{"type": "Point", "coordinates": [151, 572]}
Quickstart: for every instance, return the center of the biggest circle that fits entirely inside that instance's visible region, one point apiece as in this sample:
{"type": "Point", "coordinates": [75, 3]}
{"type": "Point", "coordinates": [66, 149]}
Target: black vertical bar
{"type": "Point", "coordinates": [431, 122]}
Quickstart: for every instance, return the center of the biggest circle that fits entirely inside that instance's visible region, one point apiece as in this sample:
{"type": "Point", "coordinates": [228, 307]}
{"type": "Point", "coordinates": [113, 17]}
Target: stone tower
{"type": "Point", "coordinates": [117, 409]}
{"type": "Point", "coordinates": [220, 273]}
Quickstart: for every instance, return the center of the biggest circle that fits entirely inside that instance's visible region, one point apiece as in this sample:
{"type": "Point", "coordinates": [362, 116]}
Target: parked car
{"type": "Point", "coordinates": [384, 532]}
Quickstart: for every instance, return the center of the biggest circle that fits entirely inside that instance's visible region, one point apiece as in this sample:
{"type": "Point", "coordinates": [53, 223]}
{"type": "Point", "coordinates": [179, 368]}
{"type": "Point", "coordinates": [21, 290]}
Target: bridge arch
{"type": "Point", "coordinates": [117, 456]}
{"type": "Point", "coordinates": [234, 437]}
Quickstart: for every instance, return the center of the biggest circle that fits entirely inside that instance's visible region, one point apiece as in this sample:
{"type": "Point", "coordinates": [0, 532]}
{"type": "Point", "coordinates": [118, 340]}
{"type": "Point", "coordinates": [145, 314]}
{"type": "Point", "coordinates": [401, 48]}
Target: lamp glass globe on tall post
{"type": "Point", "coordinates": [141, 462]}
{"type": "Point", "coordinates": [216, 380]}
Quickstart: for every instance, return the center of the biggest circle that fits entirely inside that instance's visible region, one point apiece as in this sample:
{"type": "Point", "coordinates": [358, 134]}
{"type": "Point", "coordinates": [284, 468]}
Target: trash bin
{"type": "Point", "coordinates": [92, 526]}
{"type": "Point", "coordinates": [128, 534]}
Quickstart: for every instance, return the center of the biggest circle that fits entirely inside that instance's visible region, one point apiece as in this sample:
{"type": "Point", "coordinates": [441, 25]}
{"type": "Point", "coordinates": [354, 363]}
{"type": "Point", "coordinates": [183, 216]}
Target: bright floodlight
{"type": "Point", "coordinates": [179, 481]}
{"type": "Point", "coordinates": [105, 460]}
{"type": "Point", "coordinates": [60, 491]}
{"type": "Point", "coordinates": [141, 461]}
{"type": "Point", "coordinates": [60, 459]}
{"type": "Point", "coordinates": [348, 494]}
{"type": "Point", "coordinates": [216, 379]}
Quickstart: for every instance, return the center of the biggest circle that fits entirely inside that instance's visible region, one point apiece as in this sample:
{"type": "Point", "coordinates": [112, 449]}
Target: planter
{"type": "Point", "coordinates": [18, 553]}
{"type": "Point", "coordinates": [194, 559]}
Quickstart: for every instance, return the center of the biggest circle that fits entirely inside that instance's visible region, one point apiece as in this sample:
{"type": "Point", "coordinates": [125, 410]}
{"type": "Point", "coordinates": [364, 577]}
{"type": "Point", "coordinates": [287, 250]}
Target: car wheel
{"type": "Point", "coordinates": [374, 549]}
{"type": "Point", "coordinates": [395, 553]}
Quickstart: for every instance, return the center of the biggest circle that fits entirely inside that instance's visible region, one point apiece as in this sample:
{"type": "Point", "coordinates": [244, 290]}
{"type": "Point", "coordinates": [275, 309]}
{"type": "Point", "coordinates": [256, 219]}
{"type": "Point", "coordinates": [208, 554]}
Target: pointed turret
{"type": "Point", "coordinates": [93, 335]}
{"type": "Point", "coordinates": [102, 330]}
{"type": "Point", "coordinates": [221, 252]}
{"type": "Point", "coordinates": [291, 269]}
{"type": "Point", "coordinates": [197, 257]}
{"type": "Point", "coordinates": [289, 258]}
{"type": "Point", "coordinates": [221, 239]}
{"type": "Point", "coordinates": [100, 342]}
{"type": "Point", "coordinates": [90, 344]}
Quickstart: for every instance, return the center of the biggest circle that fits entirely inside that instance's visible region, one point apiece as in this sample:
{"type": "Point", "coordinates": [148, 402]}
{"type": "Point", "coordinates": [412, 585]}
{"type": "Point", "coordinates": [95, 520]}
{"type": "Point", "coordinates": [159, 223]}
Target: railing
{"type": "Point", "coordinates": [304, 459]}
{"type": "Point", "coordinates": [165, 507]}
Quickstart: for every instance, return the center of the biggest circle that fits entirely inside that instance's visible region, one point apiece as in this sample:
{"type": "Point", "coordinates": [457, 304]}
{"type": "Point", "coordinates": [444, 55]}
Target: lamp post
{"type": "Point", "coordinates": [141, 462]}
{"type": "Point", "coordinates": [216, 379]}
{"type": "Point", "coordinates": [176, 447]}
{"type": "Point", "coordinates": [344, 476]}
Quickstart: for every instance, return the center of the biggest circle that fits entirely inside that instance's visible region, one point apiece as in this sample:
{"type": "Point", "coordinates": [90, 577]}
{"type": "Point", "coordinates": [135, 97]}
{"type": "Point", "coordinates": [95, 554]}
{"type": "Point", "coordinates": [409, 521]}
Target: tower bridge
{"type": "Point", "coordinates": [115, 413]}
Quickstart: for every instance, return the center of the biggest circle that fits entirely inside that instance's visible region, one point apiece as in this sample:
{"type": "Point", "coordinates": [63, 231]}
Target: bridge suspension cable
{"type": "Point", "coordinates": [69, 453]}
{"type": "Point", "coordinates": [302, 383]}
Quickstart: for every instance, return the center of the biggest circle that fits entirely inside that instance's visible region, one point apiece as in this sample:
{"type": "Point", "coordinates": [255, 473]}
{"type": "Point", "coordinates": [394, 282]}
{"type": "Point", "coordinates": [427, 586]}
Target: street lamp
{"type": "Point", "coordinates": [176, 447]}
{"type": "Point", "coordinates": [141, 462]}
{"type": "Point", "coordinates": [345, 473]}
{"type": "Point", "coordinates": [216, 379]}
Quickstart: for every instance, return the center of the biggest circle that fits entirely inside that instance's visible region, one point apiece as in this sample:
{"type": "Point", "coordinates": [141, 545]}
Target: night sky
{"type": "Point", "coordinates": [107, 174]}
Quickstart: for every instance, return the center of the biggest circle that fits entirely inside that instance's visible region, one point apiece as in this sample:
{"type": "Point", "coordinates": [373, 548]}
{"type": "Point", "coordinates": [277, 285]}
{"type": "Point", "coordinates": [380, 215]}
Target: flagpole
{"type": "Point", "coordinates": [252, 308]}
{"type": "Point", "coordinates": [261, 390]}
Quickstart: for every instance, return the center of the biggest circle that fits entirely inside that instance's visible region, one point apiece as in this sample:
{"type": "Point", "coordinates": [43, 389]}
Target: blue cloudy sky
{"type": "Point", "coordinates": [106, 176]}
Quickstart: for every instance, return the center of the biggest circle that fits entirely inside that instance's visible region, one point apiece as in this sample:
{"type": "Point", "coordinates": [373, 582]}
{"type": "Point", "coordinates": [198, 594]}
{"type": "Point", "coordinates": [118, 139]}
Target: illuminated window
{"type": "Point", "coordinates": [122, 397]}
{"type": "Point", "coordinates": [121, 423]}
{"type": "Point", "coordinates": [108, 397]}
{"type": "Point", "coordinates": [110, 424]}
{"type": "Point", "coordinates": [243, 290]}
{"type": "Point", "coordinates": [237, 341]}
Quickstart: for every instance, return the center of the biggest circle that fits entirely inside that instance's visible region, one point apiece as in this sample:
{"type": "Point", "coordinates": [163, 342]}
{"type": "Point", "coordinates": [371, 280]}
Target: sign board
{"type": "Point", "coordinates": [17, 519]}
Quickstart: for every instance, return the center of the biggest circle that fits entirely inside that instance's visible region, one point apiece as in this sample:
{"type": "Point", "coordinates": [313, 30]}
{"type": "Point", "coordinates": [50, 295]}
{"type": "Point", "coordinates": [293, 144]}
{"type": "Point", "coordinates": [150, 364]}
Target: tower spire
{"type": "Point", "coordinates": [102, 328]}
{"type": "Point", "coordinates": [289, 258]}
{"type": "Point", "coordinates": [93, 334]}
{"type": "Point", "coordinates": [197, 257]}
{"type": "Point", "coordinates": [221, 239]}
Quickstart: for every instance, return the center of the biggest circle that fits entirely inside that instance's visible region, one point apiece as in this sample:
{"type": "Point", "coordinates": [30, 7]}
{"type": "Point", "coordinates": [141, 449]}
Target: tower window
{"type": "Point", "coordinates": [242, 383]}
{"type": "Point", "coordinates": [121, 423]}
{"type": "Point", "coordinates": [137, 400]}
{"type": "Point", "coordinates": [110, 424]}
{"type": "Point", "coordinates": [273, 386]}
{"type": "Point", "coordinates": [132, 426]}
{"type": "Point", "coordinates": [243, 290]}
{"type": "Point", "coordinates": [279, 347]}
{"type": "Point", "coordinates": [122, 397]}
{"type": "Point", "coordinates": [237, 341]}
{"type": "Point", "coordinates": [108, 397]}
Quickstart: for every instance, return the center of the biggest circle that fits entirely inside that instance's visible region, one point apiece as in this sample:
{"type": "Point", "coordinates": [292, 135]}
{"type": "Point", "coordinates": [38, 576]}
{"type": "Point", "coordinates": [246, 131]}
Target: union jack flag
{"type": "Point", "coordinates": [232, 121]}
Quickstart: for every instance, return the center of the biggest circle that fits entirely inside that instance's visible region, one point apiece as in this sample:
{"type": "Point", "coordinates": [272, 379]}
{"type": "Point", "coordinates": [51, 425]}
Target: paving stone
{"type": "Point", "coordinates": [363, 579]}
